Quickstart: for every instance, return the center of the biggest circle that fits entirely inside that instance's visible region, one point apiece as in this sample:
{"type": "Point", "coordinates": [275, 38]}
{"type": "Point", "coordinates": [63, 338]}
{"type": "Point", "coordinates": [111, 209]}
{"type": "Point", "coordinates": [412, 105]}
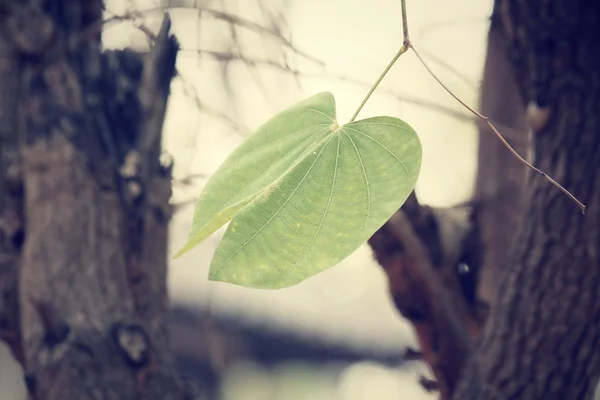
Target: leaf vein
{"type": "Point", "coordinates": [362, 165]}
{"type": "Point", "coordinates": [382, 145]}
{"type": "Point", "coordinates": [335, 170]}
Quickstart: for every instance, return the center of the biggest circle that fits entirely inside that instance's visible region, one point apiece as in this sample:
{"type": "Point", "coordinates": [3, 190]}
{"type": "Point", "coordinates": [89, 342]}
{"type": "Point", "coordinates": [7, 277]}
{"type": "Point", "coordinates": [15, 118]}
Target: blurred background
{"type": "Point", "coordinates": [336, 336]}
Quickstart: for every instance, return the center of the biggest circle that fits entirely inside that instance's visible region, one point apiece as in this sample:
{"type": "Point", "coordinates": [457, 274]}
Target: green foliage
{"type": "Point", "coordinates": [303, 193]}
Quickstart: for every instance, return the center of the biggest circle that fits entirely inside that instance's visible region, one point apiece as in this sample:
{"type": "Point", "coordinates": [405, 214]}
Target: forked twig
{"type": "Point", "coordinates": [497, 133]}
{"type": "Point", "coordinates": [406, 45]}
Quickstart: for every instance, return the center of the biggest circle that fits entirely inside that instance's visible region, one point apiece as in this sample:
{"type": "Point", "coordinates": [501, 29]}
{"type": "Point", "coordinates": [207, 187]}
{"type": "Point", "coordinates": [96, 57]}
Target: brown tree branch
{"type": "Point", "coordinates": [425, 287]}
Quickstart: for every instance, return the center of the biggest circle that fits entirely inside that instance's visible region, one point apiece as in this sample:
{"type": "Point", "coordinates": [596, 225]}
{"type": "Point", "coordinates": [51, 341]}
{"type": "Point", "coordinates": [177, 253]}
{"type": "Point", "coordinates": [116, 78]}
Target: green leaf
{"type": "Point", "coordinates": [304, 193]}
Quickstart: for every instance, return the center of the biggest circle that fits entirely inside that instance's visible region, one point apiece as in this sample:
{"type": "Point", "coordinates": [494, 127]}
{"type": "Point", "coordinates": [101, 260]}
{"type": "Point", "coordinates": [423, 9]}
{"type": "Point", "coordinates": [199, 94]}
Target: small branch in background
{"type": "Point", "coordinates": [192, 94]}
{"type": "Point", "coordinates": [509, 133]}
{"type": "Point", "coordinates": [222, 56]}
{"type": "Point", "coordinates": [135, 15]}
{"type": "Point", "coordinates": [236, 20]}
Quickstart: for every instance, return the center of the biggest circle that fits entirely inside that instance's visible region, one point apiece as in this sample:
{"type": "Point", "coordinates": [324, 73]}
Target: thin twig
{"type": "Point", "coordinates": [499, 135]}
{"type": "Point", "coordinates": [407, 43]}
{"type": "Point", "coordinates": [465, 79]}
{"type": "Point", "coordinates": [406, 38]}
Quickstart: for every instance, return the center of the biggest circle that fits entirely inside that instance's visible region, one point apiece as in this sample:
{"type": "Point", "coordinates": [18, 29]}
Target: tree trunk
{"type": "Point", "coordinates": [542, 339]}
{"type": "Point", "coordinates": [80, 134]}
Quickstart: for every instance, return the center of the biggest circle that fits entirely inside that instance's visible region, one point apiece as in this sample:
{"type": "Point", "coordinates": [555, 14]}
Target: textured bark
{"type": "Point", "coordinates": [543, 335]}
{"type": "Point", "coordinates": [92, 290]}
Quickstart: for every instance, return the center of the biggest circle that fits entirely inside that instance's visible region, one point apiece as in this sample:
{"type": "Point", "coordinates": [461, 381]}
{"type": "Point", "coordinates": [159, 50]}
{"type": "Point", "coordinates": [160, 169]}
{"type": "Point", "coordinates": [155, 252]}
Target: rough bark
{"type": "Point", "coordinates": [92, 297]}
{"type": "Point", "coordinates": [542, 340]}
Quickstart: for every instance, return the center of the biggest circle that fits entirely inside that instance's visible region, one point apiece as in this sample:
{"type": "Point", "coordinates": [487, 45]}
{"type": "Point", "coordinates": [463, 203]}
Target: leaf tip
{"type": "Point", "coordinates": [179, 253]}
{"type": "Point", "coordinates": [187, 247]}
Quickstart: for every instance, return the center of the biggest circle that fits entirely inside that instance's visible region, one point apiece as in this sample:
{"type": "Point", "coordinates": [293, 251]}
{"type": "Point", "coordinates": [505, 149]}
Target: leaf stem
{"type": "Point", "coordinates": [402, 50]}
{"type": "Point", "coordinates": [405, 46]}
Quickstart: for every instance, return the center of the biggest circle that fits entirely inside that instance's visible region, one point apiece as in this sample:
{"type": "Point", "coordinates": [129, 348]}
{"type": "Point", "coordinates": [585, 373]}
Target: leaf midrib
{"type": "Point", "coordinates": [312, 242]}
{"type": "Point", "coordinates": [364, 175]}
